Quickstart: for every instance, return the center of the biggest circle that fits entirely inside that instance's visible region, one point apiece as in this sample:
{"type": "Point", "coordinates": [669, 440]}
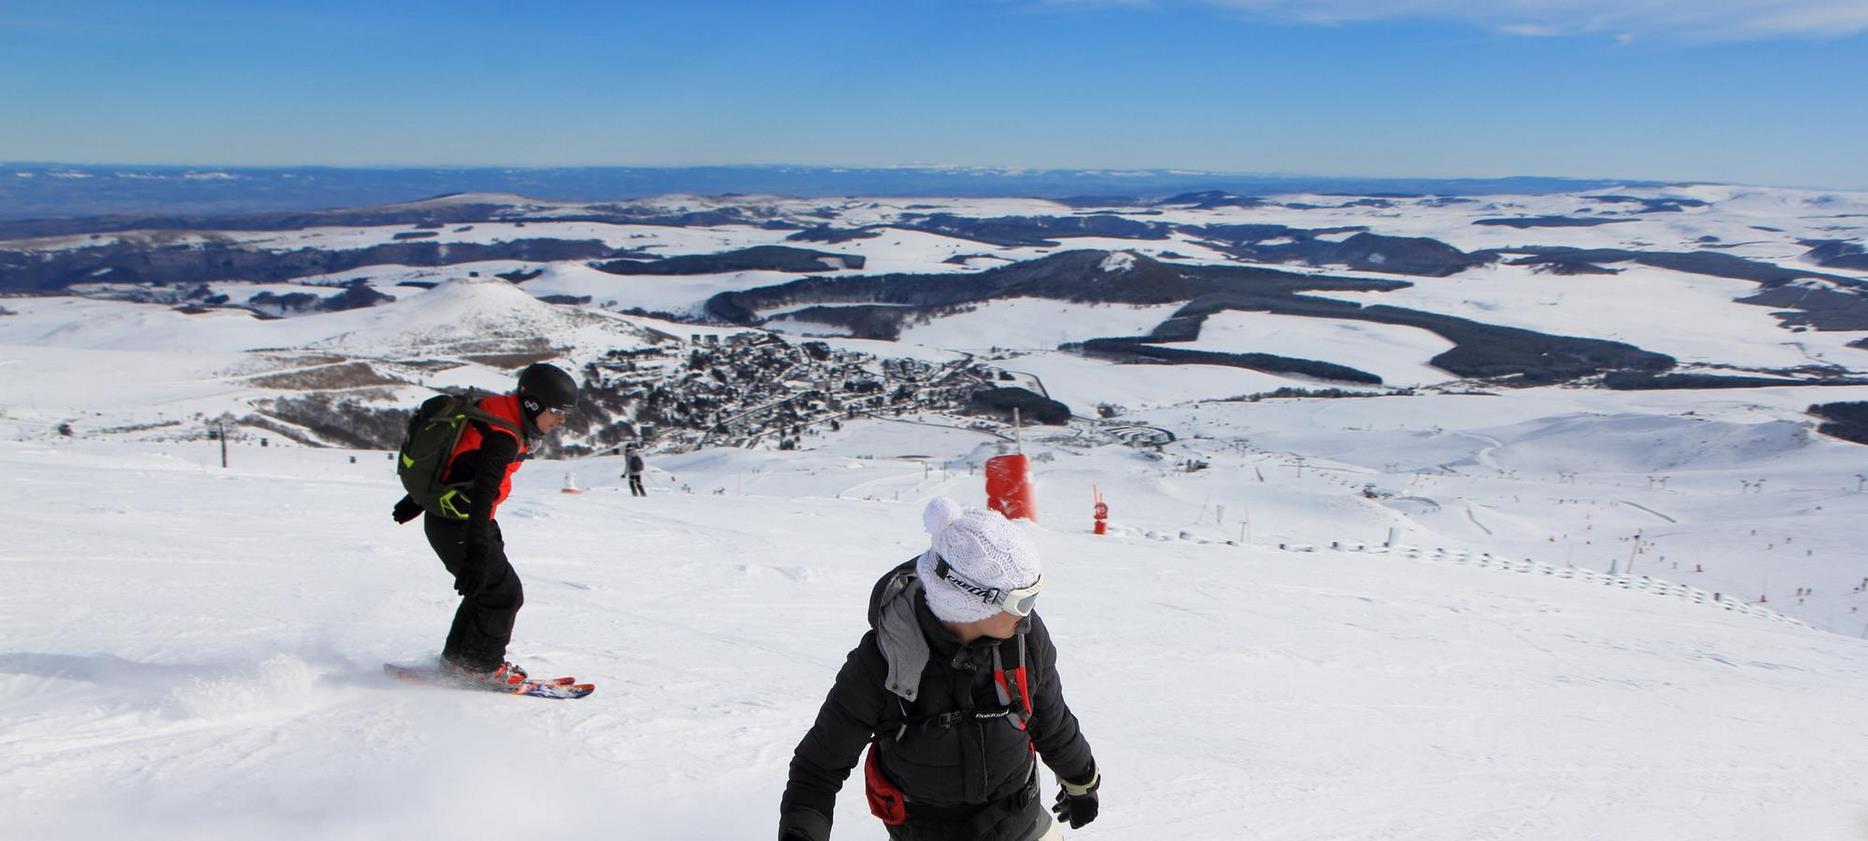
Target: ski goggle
{"type": "Point", "coordinates": [1018, 601]}
{"type": "Point", "coordinates": [537, 406]}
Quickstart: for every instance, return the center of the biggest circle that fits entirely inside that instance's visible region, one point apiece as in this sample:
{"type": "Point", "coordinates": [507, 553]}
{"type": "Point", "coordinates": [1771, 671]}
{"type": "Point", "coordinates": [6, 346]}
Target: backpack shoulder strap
{"type": "Point", "coordinates": [471, 410]}
{"type": "Point", "coordinates": [1014, 688]}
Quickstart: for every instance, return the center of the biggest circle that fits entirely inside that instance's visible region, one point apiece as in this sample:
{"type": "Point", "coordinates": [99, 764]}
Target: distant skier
{"type": "Point", "coordinates": [470, 545]}
{"type": "Point", "coordinates": [632, 467]}
{"type": "Point", "coordinates": [955, 692]}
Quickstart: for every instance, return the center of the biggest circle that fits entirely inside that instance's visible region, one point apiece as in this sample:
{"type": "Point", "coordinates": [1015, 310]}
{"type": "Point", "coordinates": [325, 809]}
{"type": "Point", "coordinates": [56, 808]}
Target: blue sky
{"type": "Point", "coordinates": [1751, 91]}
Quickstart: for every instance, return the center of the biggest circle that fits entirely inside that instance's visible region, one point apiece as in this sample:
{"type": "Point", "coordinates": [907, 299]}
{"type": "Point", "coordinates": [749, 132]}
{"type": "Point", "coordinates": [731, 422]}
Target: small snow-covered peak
{"type": "Point", "coordinates": [1118, 261]}
{"type": "Point", "coordinates": [467, 309]}
{"type": "Point", "coordinates": [452, 199]}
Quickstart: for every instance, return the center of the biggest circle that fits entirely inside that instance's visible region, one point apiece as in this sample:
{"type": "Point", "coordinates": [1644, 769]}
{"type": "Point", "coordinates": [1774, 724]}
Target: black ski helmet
{"type": "Point", "coordinates": [544, 387]}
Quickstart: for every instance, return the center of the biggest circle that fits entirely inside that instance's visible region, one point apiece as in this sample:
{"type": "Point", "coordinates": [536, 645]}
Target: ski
{"type": "Point", "coordinates": [559, 688]}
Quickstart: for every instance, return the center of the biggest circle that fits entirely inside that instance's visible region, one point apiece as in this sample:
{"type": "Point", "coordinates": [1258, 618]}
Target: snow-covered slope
{"type": "Point", "coordinates": [194, 652]}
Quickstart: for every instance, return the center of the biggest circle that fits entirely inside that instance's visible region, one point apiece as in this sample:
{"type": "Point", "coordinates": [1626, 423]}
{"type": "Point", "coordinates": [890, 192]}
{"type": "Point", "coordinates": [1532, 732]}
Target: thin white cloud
{"type": "Point", "coordinates": [1530, 30]}
{"type": "Point", "coordinates": [1625, 20]}
{"type": "Point", "coordinates": [1097, 4]}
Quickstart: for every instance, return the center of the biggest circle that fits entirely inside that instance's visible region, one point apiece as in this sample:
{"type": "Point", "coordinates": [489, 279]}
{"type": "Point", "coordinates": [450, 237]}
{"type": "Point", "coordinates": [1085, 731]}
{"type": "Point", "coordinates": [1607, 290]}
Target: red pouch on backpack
{"type": "Point", "coordinates": [886, 801]}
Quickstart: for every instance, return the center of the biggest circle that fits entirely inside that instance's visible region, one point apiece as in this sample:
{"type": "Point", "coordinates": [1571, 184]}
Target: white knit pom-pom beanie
{"type": "Point", "coordinates": [984, 548]}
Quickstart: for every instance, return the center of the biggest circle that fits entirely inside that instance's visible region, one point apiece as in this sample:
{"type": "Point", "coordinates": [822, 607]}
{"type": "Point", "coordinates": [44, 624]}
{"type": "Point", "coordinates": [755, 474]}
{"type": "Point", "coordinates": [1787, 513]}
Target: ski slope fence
{"type": "Point", "coordinates": [1486, 560]}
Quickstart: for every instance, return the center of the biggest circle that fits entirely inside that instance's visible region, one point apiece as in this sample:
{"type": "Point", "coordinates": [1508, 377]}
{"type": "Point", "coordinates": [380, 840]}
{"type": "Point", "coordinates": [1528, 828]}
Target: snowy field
{"type": "Point", "coordinates": [1397, 354]}
{"type": "Point", "coordinates": [1035, 324]}
{"type": "Point", "coordinates": [1701, 324]}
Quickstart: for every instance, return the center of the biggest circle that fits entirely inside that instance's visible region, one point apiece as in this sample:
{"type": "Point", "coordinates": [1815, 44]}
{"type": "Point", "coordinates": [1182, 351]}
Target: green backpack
{"type": "Point", "coordinates": [434, 431]}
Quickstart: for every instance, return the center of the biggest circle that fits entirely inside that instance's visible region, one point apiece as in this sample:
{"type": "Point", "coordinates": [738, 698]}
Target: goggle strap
{"type": "Point", "coordinates": [988, 595]}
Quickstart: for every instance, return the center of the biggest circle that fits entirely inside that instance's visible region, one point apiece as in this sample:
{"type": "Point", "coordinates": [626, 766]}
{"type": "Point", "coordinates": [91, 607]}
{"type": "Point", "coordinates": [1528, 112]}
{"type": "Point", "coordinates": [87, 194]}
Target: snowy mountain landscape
{"type": "Point", "coordinates": [1437, 515]}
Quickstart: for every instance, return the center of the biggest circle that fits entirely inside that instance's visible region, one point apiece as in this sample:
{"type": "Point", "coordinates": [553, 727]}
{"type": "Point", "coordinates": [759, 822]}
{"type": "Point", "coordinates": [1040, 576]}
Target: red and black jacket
{"type": "Point", "coordinates": [487, 456]}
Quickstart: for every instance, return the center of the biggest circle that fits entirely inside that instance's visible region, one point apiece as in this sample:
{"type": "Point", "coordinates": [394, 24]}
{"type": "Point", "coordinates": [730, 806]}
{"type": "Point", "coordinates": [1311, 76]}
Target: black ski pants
{"type": "Point", "coordinates": [490, 594]}
{"type": "Point", "coordinates": [635, 485]}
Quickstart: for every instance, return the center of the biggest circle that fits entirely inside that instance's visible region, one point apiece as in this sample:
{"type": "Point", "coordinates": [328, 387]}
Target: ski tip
{"type": "Point", "coordinates": [404, 673]}
{"type": "Point", "coordinates": [558, 691]}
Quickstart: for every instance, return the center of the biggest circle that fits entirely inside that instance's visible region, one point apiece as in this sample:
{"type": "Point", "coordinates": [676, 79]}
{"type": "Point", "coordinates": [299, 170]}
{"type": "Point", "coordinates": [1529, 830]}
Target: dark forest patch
{"type": "Point", "coordinates": [1138, 351]}
{"type": "Point", "coordinates": [1814, 307]}
{"type": "Point", "coordinates": [1710, 263]}
{"type": "Point", "coordinates": [519, 275]}
{"type": "Point", "coordinates": [1641, 381]}
{"type": "Point", "coordinates": [1663, 204]}
{"type": "Point", "coordinates": [137, 262]}
{"type": "Point", "coordinates": [1549, 222]}
{"type": "Point", "coordinates": [1419, 256]}
{"type": "Point", "coordinates": [1032, 407]}
{"type": "Point", "coordinates": [1836, 254]}
{"type": "Point", "coordinates": [828, 234]}
{"type": "Point", "coordinates": [1210, 199]}
{"type": "Point", "coordinates": [1033, 231]}
{"type": "Point", "coordinates": [769, 258]}
{"type": "Point", "coordinates": [863, 322]}
{"type": "Point", "coordinates": [1847, 421]}
{"type": "Point", "coordinates": [355, 296]}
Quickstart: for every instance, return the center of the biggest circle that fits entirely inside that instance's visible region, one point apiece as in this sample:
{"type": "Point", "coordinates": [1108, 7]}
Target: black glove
{"type": "Point", "coordinates": [406, 510]}
{"type": "Point", "coordinates": [1076, 802]}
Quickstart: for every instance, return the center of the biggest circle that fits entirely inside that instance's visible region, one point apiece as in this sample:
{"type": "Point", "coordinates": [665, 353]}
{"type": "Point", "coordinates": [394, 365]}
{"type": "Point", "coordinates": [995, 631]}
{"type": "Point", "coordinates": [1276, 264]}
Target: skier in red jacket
{"type": "Point", "coordinates": [471, 547]}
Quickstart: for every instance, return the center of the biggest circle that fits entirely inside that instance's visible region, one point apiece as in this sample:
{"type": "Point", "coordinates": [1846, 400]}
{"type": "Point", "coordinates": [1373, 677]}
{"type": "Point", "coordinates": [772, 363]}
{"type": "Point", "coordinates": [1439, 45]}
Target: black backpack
{"type": "Point", "coordinates": [434, 431]}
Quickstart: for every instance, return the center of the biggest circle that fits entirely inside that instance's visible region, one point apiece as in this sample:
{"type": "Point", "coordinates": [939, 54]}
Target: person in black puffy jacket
{"type": "Point", "coordinates": [955, 695]}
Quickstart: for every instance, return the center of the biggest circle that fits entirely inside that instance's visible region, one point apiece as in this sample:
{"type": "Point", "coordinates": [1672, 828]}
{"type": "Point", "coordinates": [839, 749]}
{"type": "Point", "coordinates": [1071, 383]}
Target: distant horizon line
{"type": "Point", "coordinates": [909, 167]}
{"type": "Point", "coordinates": [991, 169]}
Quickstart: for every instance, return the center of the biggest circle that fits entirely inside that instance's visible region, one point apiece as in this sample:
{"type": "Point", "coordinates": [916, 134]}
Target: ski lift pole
{"type": "Point", "coordinates": [1018, 432]}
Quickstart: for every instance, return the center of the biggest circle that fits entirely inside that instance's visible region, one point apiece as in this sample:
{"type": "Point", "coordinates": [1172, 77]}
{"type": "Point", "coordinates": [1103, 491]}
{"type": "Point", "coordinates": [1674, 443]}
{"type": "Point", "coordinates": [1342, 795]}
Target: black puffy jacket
{"type": "Point", "coordinates": [947, 765]}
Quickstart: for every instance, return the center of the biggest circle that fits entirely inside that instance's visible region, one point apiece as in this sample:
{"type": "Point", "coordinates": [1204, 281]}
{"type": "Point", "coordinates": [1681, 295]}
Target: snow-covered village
{"type": "Point", "coordinates": [1311, 422]}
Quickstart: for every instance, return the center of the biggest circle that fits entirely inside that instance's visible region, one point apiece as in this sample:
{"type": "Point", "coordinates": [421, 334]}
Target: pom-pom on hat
{"type": "Point", "coordinates": [982, 547]}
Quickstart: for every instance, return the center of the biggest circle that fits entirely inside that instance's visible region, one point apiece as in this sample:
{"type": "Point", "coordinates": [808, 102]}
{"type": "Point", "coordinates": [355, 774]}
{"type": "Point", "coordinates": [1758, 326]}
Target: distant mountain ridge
{"type": "Point", "coordinates": [53, 190]}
